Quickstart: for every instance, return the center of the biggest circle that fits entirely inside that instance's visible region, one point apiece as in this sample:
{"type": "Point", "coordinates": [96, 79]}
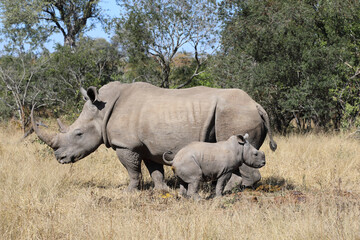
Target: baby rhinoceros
{"type": "Point", "coordinates": [212, 161]}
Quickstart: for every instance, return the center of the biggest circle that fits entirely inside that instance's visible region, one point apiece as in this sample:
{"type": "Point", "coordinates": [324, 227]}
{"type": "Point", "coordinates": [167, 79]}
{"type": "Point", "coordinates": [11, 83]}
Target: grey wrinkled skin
{"type": "Point", "coordinates": [201, 161]}
{"type": "Point", "coordinates": [141, 122]}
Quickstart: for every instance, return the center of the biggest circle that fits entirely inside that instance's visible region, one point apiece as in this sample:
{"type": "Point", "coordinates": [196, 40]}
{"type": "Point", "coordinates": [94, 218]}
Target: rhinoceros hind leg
{"type": "Point", "coordinates": [132, 163]}
{"type": "Point", "coordinates": [157, 174]}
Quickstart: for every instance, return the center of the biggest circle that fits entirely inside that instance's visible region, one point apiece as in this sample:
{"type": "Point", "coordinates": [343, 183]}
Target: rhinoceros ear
{"type": "Point", "coordinates": [91, 94]}
{"type": "Point", "coordinates": [241, 140]}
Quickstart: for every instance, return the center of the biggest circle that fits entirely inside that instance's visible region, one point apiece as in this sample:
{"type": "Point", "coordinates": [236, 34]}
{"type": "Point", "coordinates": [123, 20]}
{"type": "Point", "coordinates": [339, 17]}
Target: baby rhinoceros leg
{"type": "Point", "coordinates": [183, 187]}
{"type": "Point", "coordinates": [190, 174]}
{"type": "Point", "coordinates": [221, 182]}
{"type": "Point", "coordinates": [193, 190]}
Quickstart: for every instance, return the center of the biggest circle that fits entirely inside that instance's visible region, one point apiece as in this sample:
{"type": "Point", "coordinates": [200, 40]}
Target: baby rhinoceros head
{"type": "Point", "coordinates": [251, 156]}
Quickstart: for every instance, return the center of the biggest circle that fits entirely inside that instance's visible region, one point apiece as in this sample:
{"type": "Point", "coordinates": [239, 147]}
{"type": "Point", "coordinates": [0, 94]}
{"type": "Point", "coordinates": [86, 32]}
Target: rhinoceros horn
{"type": "Point", "coordinates": [62, 127]}
{"type": "Point", "coordinates": [48, 138]}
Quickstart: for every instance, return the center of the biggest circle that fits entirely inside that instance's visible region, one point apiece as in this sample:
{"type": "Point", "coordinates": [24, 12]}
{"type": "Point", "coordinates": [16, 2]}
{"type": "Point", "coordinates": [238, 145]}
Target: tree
{"type": "Point", "coordinates": [340, 24]}
{"type": "Point", "coordinates": [20, 75]}
{"type": "Point", "coordinates": [156, 30]}
{"type": "Point", "coordinates": [289, 56]}
{"type": "Point", "coordinates": [40, 18]}
{"type": "Point", "coordinates": [20, 85]}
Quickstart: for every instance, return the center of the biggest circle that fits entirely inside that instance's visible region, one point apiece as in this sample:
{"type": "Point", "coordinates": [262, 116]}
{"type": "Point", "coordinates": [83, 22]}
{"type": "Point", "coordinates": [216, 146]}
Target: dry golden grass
{"type": "Point", "coordinates": [310, 190]}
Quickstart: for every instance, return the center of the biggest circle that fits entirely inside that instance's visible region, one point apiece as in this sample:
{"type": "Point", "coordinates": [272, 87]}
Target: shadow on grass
{"type": "Point", "coordinates": [274, 184]}
{"type": "Point", "coordinates": [94, 184]}
{"type": "Point", "coordinates": [270, 184]}
{"type": "Point", "coordinates": [172, 183]}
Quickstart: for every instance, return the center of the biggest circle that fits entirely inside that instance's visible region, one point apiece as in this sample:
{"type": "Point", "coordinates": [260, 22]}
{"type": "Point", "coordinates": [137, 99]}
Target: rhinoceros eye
{"type": "Point", "coordinates": [78, 133]}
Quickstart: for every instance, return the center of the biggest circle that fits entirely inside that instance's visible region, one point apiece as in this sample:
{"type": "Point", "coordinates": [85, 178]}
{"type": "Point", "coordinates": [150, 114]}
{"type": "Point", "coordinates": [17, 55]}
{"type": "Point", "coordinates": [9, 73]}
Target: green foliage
{"type": "Point", "coordinates": [350, 116]}
{"type": "Point", "coordinates": [183, 73]}
{"type": "Point", "coordinates": [22, 85]}
{"type": "Point", "coordinates": [289, 55]}
{"type": "Point", "coordinates": [205, 79]}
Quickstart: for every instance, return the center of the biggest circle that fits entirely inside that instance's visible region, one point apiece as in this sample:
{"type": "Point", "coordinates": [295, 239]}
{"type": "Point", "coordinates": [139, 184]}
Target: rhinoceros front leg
{"type": "Point", "coordinates": [132, 163]}
{"type": "Point", "coordinates": [250, 176]}
{"type": "Point", "coordinates": [157, 174]}
{"type": "Point", "coordinates": [245, 177]}
{"type": "Point", "coordinates": [221, 182]}
{"type": "Point", "coordinates": [234, 181]}
{"type": "Point", "coordinates": [183, 188]}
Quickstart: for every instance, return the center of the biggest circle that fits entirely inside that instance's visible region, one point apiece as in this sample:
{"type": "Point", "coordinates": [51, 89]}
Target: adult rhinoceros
{"type": "Point", "coordinates": [141, 122]}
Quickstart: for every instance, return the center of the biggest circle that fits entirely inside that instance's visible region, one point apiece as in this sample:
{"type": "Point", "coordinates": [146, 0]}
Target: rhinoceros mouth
{"type": "Point", "coordinates": [260, 165]}
{"type": "Point", "coordinates": [64, 160]}
{"type": "Point", "coordinates": [67, 159]}
{"type": "Point", "coordinates": [257, 164]}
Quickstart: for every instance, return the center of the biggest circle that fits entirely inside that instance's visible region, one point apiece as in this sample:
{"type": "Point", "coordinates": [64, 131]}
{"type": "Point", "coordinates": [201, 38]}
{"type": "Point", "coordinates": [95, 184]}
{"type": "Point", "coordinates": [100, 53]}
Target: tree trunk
{"type": "Point", "coordinates": [69, 40]}
{"type": "Point", "coordinates": [165, 76]}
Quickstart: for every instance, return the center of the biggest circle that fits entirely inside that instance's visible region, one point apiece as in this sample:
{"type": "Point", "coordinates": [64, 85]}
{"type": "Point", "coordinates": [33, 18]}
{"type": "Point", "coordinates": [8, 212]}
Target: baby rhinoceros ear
{"type": "Point", "coordinates": [242, 139]}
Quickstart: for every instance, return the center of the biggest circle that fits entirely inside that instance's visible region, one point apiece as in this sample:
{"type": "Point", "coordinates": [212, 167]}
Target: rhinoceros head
{"type": "Point", "coordinates": [80, 139]}
{"type": "Point", "coordinates": [251, 156]}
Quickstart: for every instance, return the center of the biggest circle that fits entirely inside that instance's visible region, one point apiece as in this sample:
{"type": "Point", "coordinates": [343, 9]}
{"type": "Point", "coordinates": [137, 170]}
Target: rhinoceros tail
{"type": "Point", "coordinates": [266, 120]}
{"type": "Point", "coordinates": [168, 162]}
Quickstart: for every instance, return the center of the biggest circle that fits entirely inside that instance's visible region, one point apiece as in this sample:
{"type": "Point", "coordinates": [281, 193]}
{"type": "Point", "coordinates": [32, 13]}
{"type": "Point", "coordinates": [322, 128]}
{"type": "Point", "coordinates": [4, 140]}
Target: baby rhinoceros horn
{"type": "Point", "coordinates": [246, 137]}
